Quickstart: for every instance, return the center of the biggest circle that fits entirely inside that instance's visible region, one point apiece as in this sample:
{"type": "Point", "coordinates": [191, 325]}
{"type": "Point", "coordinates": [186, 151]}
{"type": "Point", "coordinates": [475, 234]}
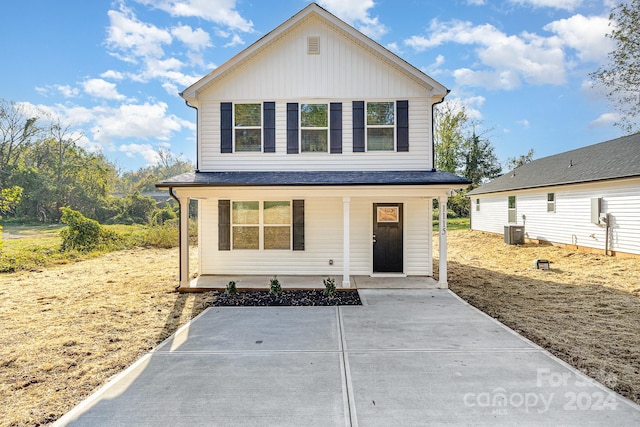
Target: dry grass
{"type": "Point", "coordinates": [65, 330]}
{"type": "Point", "coordinates": [585, 310]}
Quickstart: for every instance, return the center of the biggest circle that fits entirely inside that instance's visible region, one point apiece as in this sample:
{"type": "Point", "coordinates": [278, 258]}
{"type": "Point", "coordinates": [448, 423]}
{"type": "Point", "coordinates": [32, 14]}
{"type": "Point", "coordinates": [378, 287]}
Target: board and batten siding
{"type": "Point", "coordinates": [323, 241]}
{"type": "Point", "coordinates": [571, 222]}
{"type": "Point", "coordinates": [417, 158]}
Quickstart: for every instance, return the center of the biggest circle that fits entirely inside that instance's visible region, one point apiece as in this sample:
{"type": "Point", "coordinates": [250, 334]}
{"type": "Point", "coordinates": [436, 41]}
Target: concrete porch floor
{"type": "Point", "coordinates": [206, 282]}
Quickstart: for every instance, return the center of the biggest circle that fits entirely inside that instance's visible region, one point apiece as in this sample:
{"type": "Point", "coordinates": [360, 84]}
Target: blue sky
{"type": "Point", "coordinates": [113, 70]}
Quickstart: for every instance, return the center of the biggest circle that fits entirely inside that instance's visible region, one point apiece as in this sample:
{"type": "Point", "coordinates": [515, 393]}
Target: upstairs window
{"type": "Point", "coordinates": [477, 204]}
{"type": "Point", "coordinates": [551, 202]}
{"type": "Point", "coordinates": [380, 126]}
{"type": "Point", "coordinates": [314, 128]}
{"type": "Point", "coordinates": [248, 127]}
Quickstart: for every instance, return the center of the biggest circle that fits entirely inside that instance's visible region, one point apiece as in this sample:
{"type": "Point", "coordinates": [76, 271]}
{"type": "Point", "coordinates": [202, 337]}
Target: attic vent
{"type": "Point", "coordinates": [313, 45]}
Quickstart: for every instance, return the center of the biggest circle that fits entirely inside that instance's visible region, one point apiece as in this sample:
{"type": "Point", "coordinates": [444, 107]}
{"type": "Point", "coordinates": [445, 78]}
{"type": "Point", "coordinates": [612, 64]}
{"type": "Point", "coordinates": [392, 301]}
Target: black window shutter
{"type": "Point", "coordinates": [226, 127]}
{"type": "Point", "coordinates": [402, 125]}
{"type": "Point", "coordinates": [298, 225]}
{"type": "Point", "coordinates": [269, 117]}
{"type": "Point", "coordinates": [358, 126]}
{"type": "Point", "coordinates": [224, 225]}
{"type": "Point", "coordinates": [335, 134]}
{"type": "Point", "coordinates": [292, 128]}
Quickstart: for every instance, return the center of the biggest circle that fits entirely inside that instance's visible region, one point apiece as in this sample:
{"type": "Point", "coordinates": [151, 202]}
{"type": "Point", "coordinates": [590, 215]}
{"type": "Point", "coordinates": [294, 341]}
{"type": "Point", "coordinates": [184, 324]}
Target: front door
{"type": "Point", "coordinates": [387, 238]}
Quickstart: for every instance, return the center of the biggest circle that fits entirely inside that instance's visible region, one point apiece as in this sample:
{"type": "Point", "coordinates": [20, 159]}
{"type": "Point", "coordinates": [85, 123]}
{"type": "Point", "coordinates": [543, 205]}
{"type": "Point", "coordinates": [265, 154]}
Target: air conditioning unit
{"type": "Point", "coordinates": [514, 234]}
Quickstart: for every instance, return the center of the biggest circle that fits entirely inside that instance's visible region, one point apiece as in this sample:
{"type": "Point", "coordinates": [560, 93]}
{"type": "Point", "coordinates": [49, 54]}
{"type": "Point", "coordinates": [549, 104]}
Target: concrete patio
{"type": "Point", "coordinates": [406, 358]}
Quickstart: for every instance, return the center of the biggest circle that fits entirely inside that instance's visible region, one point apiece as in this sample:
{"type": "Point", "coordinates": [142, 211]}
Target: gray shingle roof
{"type": "Point", "coordinates": [313, 178]}
{"type": "Point", "coordinates": [614, 159]}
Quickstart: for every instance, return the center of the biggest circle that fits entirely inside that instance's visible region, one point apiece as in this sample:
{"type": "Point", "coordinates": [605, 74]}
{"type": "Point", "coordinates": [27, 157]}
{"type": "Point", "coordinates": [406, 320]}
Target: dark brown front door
{"type": "Point", "coordinates": [387, 238]}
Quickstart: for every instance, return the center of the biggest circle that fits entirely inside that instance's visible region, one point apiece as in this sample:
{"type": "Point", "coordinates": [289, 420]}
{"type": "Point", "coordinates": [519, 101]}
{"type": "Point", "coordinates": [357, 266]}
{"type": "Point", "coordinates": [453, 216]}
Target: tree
{"type": "Point", "coordinates": [450, 124]}
{"type": "Point", "coordinates": [621, 77]}
{"type": "Point", "coordinates": [480, 161]}
{"type": "Point", "coordinates": [515, 162]}
{"type": "Point", "coordinates": [17, 133]}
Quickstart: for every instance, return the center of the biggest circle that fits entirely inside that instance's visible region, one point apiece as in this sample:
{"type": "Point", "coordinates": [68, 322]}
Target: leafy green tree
{"type": "Point", "coordinates": [621, 77]}
{"type": "Point", "coordinates": [18, 130]}
{"type": "Point", "coordinates": [480, 161]}
{"type": "Point", "coordinates": [450, 126]}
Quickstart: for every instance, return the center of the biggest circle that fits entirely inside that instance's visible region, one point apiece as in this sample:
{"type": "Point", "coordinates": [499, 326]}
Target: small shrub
{"type": "Point", "coordinates": [163, 236]}
{"type": "Point", "coordinates": [231, 288]}
{"type": "Point", "coordinates": [275, 288]}
{"type": "Point", "coordinates": [329, 287]}
{"type": "Point", "coordinates": [84, 234]}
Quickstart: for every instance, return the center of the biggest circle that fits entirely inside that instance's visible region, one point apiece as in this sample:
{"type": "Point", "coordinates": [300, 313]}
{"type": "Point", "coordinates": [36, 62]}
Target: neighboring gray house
{"type": "Point", "coordinates": [588, 197]}
{"type": "Point", "coordinates": [314, 157]}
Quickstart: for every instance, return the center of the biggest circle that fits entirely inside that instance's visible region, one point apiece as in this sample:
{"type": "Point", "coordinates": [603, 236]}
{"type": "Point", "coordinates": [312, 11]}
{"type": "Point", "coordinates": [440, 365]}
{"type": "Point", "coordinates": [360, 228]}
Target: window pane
{"type": "Point", "coordinates": [512, 202]}
{"type": "Point", "coordinates": [379, 139]}
{"type": "Point", "coordinates": [551, 197]}
{"type": "Point", "coordinates": [248, 140]}
{"type": "Point", "coordinates": [314, 140]}
{"type": "Point", "coordinates": [246, 237]}
{"type": "Point", "coordinates": [245, 212]}
{"type": "Point", "coordinates": [313, 116]}
{"type": "Point", "coordinates": [277, 237]}
{"type": "Point", "coordinates": [380, 113]}
{"type": "Point", "coordinates": [248, 115]}
{"type": "Point", "coordinates": [277, 213]}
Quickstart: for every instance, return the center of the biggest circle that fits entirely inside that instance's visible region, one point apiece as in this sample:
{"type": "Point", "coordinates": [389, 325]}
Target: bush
{"type": "Point", "coordinates": [274, 287]}
{"type": "Point", "coordinates": [84, 234]}
{"type": "Point", "coordinates": [329, 287]}
{"type": "Point", "coordinates": [163, 236]}
{"type": "Point", "coordinates": [160, 216]}
{"type": "Point", "coordinates": [231, 288]}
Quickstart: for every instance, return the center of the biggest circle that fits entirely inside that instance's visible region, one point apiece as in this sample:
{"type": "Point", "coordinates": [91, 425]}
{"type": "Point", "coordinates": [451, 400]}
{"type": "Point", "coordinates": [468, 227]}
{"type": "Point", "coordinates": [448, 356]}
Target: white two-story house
{"type": "Point", "coordinates": [315, 157]}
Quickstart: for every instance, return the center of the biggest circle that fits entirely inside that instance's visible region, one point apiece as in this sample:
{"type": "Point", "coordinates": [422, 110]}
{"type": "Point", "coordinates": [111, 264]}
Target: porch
{"type": "Point", "coordinates": [219, 282]}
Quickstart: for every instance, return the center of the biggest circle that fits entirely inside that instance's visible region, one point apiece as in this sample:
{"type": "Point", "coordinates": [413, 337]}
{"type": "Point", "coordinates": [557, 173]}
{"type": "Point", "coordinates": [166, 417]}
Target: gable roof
{"type": "Point", "coordinates": [614, 159]}
{"type": "Point", "coordinates": [313, 9]}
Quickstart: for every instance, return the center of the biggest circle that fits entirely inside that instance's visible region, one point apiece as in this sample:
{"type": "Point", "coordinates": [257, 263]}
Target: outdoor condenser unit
{"type": "Point", "coordinates": [514, 234]}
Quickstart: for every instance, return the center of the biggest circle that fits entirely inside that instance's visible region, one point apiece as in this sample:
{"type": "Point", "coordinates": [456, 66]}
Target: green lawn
{"type": "Point", "coordinates": [453, 224]}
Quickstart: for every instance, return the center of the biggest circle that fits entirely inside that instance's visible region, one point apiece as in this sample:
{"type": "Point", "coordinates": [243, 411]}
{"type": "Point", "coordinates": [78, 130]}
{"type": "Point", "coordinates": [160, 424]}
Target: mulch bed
{"type": "Point", "coordinates": [312, 297]}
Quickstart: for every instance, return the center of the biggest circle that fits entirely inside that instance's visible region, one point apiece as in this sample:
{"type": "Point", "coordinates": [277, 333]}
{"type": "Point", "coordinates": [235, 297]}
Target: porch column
{"type": "Point", "coordinates": [346, 243]}
{"type": "Point", "coordinates": [442, 243]}
{"type": "Point", "coordinates": [184, 242]}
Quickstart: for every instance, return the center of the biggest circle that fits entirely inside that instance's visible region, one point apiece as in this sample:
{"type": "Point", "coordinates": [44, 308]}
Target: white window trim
{"type": "Point", "coordinates": [393, 126]}
{"type": "Point", "coordinates": [551, 203]}
{"type": "Point", "coordinates": [300, 128]}
{"type": "Point", "coordinates": [261, 127]}
{"type": "Point", "coordinates": [261, 224]}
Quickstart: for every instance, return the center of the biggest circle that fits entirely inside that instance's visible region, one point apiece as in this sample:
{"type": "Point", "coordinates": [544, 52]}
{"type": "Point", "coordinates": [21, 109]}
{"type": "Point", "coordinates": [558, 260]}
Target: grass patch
{"type": "Point", "coordinates": [453, 224]}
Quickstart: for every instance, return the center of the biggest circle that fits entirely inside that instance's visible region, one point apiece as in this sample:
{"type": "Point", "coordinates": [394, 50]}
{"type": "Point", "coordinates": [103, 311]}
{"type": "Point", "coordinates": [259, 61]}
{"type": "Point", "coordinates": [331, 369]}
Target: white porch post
{"type": "Point", "coordinates": [346, 244]}
{"type": "Point", "coordinates": [442, 243]}
{"type": "Point", "coordinates": [184, 242]}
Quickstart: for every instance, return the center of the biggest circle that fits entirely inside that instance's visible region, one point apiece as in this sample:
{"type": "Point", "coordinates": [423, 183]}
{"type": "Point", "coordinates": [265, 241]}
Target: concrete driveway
{"type": "Point", "coordinates": [406, 358]}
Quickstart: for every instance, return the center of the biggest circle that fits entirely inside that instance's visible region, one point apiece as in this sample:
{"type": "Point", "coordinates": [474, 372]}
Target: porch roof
{"type": "Point", "coordinates": [313, 178]}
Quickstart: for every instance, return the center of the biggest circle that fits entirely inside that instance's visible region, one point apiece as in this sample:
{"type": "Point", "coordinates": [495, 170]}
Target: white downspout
{"type": "Point", "coordinates": [346, 243]}
{"type": "Point", "coordinates": [442, 243]}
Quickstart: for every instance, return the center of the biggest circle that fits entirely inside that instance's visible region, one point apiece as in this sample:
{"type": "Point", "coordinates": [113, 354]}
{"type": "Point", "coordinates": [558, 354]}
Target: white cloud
{"type": "Point", "coordinates": [476, 2]}
{"type": "Point", "coordinates": [605, 120]}
{"type": "Point", "coordinates": [67, 91]}
{"type": "Point", "coordinates": [134, 38]}
{"type": "Point", "coordinates": [236, 40]}
{"type": "Point", "coordinates": [587, 35]}
{"type": "Point", "coordinates": [556, 4]}
{"type": "Point", "coordinates": [102, 89]}
{"type": "Point", "coordinates": [148, 153]}
{"type": "Point", "coordinates": [524, 123]}
{"type": "Point", "coordinates": [197, 39]}
{"type": "Point", "coordinates": [509, 58]}
{"type": "Point", "coordinates": [356, 13]}
{"type": "Point", "coordinates": [112, 74]}
{"type": "Point", "coordinates": [221, 12]}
